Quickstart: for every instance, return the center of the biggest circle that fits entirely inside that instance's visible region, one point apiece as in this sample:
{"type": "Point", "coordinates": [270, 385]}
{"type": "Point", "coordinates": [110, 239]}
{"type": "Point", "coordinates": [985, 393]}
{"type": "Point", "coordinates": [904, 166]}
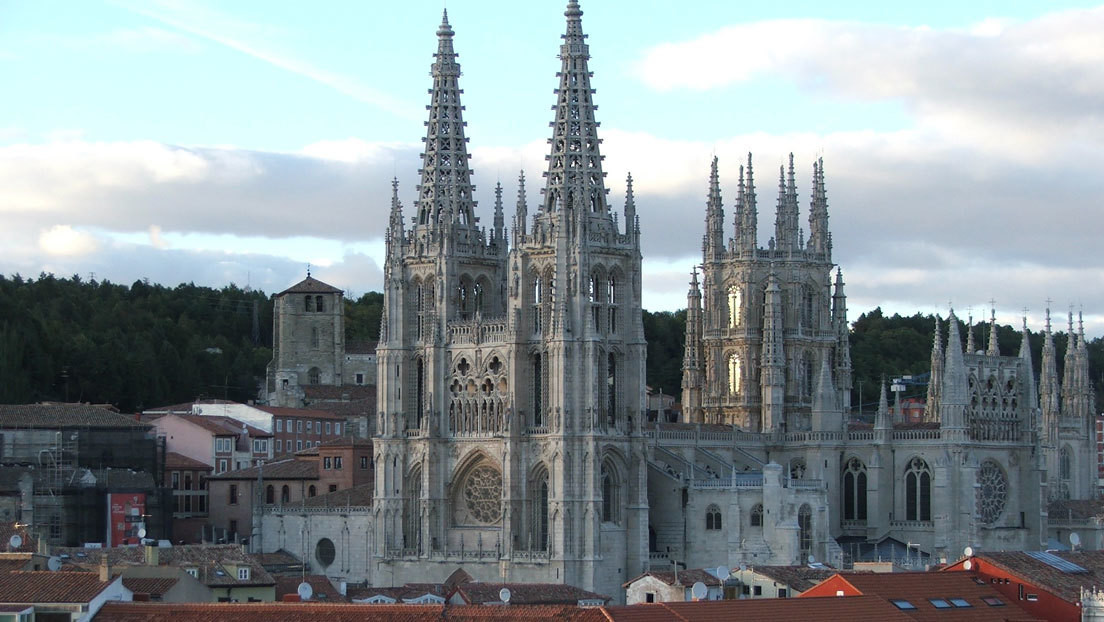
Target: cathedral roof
{"type": "Point", "coordinates": [311, 285]}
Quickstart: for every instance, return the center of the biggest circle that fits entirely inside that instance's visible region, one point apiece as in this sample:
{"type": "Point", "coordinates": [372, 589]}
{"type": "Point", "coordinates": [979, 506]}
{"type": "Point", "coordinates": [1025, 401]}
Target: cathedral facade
{"type": "Point", "coordinates": [767, 354]}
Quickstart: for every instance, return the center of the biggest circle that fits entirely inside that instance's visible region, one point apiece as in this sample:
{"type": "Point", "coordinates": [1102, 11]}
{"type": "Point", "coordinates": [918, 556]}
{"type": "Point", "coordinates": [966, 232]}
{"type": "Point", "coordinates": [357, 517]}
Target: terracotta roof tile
{"type": "Point", "coordinates": [1064, 585]}
{"type": "Point", "coordinates": [357, 496]}
{"type": "Point", "coordinates": [1076, 509]}
{"type": "Point", "coordinates": [919, 587]}
{"type": "Point", "coordinates": [154, 586]}
{"type": "Point", "coordinates": [288, 468]}
{"type": "Point", "coordinates": [208, 559]}
{"type": "Point", "coordinates": [224, 426]}
{"type": "Point", "coordinates": [64, 416]}
{"type": "Point", "coordinates": [800, 578]}
{"type": "Point", "coordinates": [346, 392]}
{"type": "Point", "coordinates": [311, 285]}
{"type": "Point", "coordinates": [7, 530]}
{"type": "Point", "coordinates": [852, 609]}
{"type": "Point", "coordinates": [686, 578]}
{"type": "Point", "coordinates": [50, 587]}
{"type": "Point", "coordinates": [526, 593]}
{"type": "Point", "coordinates": [335, 612]}
{"type": "Point", "coordinates": [324, 591]}
{"type": "Point", "coordinates": [14, 561]}
{"type": "Point", "coordinates": [180, 462]}
{"type": "Point", "coordinates": [304, 413]}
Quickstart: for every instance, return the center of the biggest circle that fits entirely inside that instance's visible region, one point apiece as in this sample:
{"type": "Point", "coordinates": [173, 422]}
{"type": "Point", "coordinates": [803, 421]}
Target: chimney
{"type": "Point", "coordinates": [152, 556]}
{"type": "Point", "coordinates": [105, 569]}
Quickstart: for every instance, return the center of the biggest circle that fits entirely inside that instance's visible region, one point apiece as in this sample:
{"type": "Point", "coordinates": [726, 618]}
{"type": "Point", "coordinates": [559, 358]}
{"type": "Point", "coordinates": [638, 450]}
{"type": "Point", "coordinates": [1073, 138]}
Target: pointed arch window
{"type": "Point", "coordinates": [1065, 471]}
{"type": "Point", "coordinates": [918, 491]}
{"type": "Point", "coordinates": [420, 393]}
{"type": "Point", "coordinates": [734, 371]}
{"type": "Point", "coordinates": [285, 494]}
{"type": "Point", "coordinates": [611, 494]}
{"type": "Point", "coordinates": [611, 389]}
{"type": "Point", "coordinates": [314, 376]}
{"type": "Point", "coordinates": [537, 300]}
{"type": "Point", "coordinates": [270, 494]}
{"type": "Point", "coordinates": [805, 528]}
{"type": "Point", "coordinates": [757, 515]}
{"type": "Point", "coordinates": [540, 513]}
{"type": "Point", "coordinates": [807, 374]}
{"type": "Point", "coordinates": [735, 300]}
{"type": "Point", "coordinates": [854, 490]}
{"type": "Point", "coordinates": [613, 300]}
{"type": "Point", "coordinates": [538, 391]}
{"type": "Point", "coordinates": [713, 517]}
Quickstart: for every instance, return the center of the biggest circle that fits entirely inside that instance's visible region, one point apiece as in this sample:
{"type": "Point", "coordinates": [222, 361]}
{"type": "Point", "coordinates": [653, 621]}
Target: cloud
{"type": "Point", "coordinates": [255, 40]}
{"type": "Point", "coordinates": [65, 241]}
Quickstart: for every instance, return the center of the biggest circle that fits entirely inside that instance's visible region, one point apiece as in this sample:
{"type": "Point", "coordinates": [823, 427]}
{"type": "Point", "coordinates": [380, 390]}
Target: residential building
{"type": "Point", "coordinates": [296, 429]}
{"type": "Point", "coordinates": [668, 586]}
{"type": "Point", "coordinates": [222, 442]}
{"type": "Point", "coordinates": [69, 596]}
{"type": "Point", "coordinates": [187, 479]}
{"type": "Point", "coordinates": [775, 581]}
{"type": "Point", "coordinates": [236, 494]}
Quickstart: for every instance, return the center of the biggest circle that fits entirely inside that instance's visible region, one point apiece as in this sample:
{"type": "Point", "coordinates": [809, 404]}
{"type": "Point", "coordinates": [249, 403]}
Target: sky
{"type": "Point", "coordinates": [189, 141]}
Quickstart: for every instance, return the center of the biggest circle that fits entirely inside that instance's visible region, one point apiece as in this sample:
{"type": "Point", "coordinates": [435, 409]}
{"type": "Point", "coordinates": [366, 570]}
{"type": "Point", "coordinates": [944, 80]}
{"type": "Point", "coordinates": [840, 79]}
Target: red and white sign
{"type": "Point", "coordinates": [125, 516]}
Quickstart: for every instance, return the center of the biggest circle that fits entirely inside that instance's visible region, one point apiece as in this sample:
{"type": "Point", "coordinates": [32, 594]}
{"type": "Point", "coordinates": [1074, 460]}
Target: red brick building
{"type": "Point", "coordinates": [296, 429]}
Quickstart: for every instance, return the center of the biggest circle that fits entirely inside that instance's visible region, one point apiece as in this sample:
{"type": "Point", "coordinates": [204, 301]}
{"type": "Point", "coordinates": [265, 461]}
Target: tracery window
{"type": "Point", "coordinates": [713, 517]}
{"type": "Point", "coordinates": [481, 495]}
{"type": "Point", "coordinates": [807, 374]}
{"type": "Point", "coordinates": [805, 528]}
{"type": "Point", "coordinates": [734, 371]}
{"type": "Point", "coordinates": [854, 490]}
{"type": "Point", "coordinates": [918, 490]}
{"type": "Point", "coordinates": [735, 298]}
{"type": "Point", "coordinates": [1065, 469]}
{"type": "Point", "coordinates": [538, 387]}
{"type": "Point", "coordinates": [540, 513]}
{"type": "Point", "coordinates": [992, 493]}
{"type": "Point", "coordinates": [314, 376]}
{"type": "Point", "coordinates": [611, 389]}
{"type": "Point", "coordinates": [611, 494]}
{"type": "Point", "coordinates": [757, 515]}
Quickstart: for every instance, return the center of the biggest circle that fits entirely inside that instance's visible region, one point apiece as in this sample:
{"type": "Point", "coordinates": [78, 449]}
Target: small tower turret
{"type": "Point", "coordinates": [819, 237]}
{"type": "Point", "coordinates": [692, 354]}
{"type": "Point", "coordinates": [935, 380]}
{"type": "Point", "coordinates": [994, 348]}
{"type": "Point", "coordinates": [714, 217]}
{"type": "Point", "coordinates": [521, 213]}
{"type": "Point", "coordinates": [773, 362]}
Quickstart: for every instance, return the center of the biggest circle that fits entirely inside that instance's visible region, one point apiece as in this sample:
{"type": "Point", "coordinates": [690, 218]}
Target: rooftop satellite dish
{"type": "Point", "coordinates": [504, 595]}
{"type": "Point", "coordinates": [15, 541]}
{"type": "Point", "coordinates": [812, 559]}
{"type": "Point", "coordinates": [699, 590]}
{"type": "Point", "coordinates": [305, 591]}
{"type": "Point", "coordinates": [966, 565]}
{"type": "Point", "coordinates": [743, 567]}
{"type": "Point", "coordinates": [968, 551]}
{"type": "Point", "coordinates": [54, 564]}
{"type": "Point", "coordinates": [722, 572]}
{"type": "Point", "coordinates": [141, 532]}
{"type": "Point", "coordinates": [1075, 539]}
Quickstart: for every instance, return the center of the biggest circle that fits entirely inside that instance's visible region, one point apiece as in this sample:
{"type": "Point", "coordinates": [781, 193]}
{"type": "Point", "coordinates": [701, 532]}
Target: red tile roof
{"type": "Point", "coordinates": [180, 462]}
{"type": "Point", "coordinates": [324, 591]}
{"type": "Point", "coordinates": [344, 392]}
{"type": "Point", "coordinates": [686, 578]}
{"type": "Point", "coordinates": [311, 285]}
{"type": "Point", "coordinates": [154, 586]}
{"type": "Point", "coordinates": [208, 559]}
{"type": "Point", "coordinates": [7, 530]}
{"type": "Point", "coordinates": [50, 587]}
{"type": "Point", "coordinates": [64, 416]}
{"type": "Point", "coordinates": [1076, 509]}
{"type": "Point", "coordinates": [220, 425]}
{"type": "Point", "coordinates": [1064, 585]}
{"type": "Point", "coordinates": [334, 612]}
{"type": "Point", "coordinates": [852, 609]}
{"type": "Point", "coordinates": [798, 578]}
{"type": "Point", "coordinates": [288, 468]}
{"type": "Point", "coordinates": [526, 593]}
{"type": "Point", "coordinates": [14, 561]}
{"type": "Point", "coordinates": [919, 588]}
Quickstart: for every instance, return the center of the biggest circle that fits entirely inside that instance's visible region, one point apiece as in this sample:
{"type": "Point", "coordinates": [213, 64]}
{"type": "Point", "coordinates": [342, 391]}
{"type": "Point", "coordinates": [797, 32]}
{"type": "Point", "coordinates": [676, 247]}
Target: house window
{"type": "Point", "coordinates": [243, 574]}
{"type": "Point", "coordinates": [649, 597]}
{"type": "Point", "coordinates": [222, 466]}
{"type": "Point", "coordinates": [223, 445]}
{"type": "Point", "coordinates": [318, 305]}
{"type": "Point", "coordinates": [279, 445]}
{"type": "Point", "coordinates": [713, 518]}
{"type": "Point", "coordinates": [318, 427]}
{"type": "Point", "coordinates": [308, 304]}
{"type": "Point", "coordinates": [758, 591]}
{"type": "Point", "coordinates": [176, 480]}
{"type": "Point", "coordinates": [289, 425]}
{"type": "Point", "coordinates": [328, 428]}
{"type": "Point", "coordinates": [285, 494]}
{"type": "Point", "coordinates": [311, 491]}
{"type": "Point", "coordinates": [279, 425]}
{"type": "Point", "coordinates": [270, 494]}
{"type": "Point", "coordinates": [360, 378]}
{"type": "Point", "coordinates": [233, 494]}
{"type": "Point", "coordinates": [333, 487]}
{"type": "Point", "coordinates": [192, 571]}
{"type": "Point", "coordinates": [782, 593]}
{"type": "Point", "coordinates": [364, 462]}
{"type": "Point", "coordinates": [337, 462]}
{"type": "Point", "coordinates": [260, 446]}
{"type": "Point", "coordinates": [298, 426]}
{"type": "Point", "coordinates": [309, 423]}
{"type": "Point", "coordinates": [337, 428]}
{"type": "Point", "coordinates": [326, 463]}
{"type": "Point", "coordinates": [298, 445]}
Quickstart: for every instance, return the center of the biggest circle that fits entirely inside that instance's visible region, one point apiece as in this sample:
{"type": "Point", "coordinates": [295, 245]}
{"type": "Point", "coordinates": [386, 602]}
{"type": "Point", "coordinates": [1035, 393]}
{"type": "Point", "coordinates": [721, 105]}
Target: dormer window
{"type": "Point", "coordinates": [243, 574]}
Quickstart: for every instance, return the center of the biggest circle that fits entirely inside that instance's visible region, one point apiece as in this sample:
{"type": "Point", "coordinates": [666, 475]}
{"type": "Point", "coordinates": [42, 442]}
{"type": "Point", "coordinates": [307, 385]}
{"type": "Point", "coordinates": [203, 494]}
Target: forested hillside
{"type": "Point", "coordinates": [146, 345]}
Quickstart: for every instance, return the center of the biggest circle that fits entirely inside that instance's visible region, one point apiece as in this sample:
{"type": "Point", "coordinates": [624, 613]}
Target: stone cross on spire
{"type": "Point", "coordinates": [574, 173]}
{"type": "Point", "coordinates": [445, 192]}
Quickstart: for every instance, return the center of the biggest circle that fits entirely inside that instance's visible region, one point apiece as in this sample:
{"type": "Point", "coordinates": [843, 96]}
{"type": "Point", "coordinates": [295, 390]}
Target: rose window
{"type": "Point", "coordinates": [992, 492]}
{"type": "Point", "coordinates": [483, 494]}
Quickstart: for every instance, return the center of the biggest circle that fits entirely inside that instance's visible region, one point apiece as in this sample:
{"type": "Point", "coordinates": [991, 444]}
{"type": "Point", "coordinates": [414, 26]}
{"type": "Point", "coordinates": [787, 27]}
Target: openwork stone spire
{"type": "Point", "coordinates": [521, 215]}
{"type": "Point", "coordinates": [786, 227]}
{"type": "Point", "coordinates": [994, 348]}
{"type": "Point", "coordinates": [714, 216]}
{"type": "Point", "coordinates": [574, 174]}
{"type": "Point", "coordinates": [747, 214]}
{"type": "Point", "coordinates": [820, 240]}
{"type": "Point", "coordinates": [445, 192]}
{"type": "Point", "coordinates": [935, 380]}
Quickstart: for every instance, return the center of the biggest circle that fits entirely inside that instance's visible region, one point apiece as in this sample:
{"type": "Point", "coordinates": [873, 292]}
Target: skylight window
{"type": "Point", "coordinates": [902, 604]}
{"type": "Point", "coordinates": [939, 603]}
{"type": "Point", "coordinates": [992, 601]}
{"type": "Point", "coordinates": [961, 603]}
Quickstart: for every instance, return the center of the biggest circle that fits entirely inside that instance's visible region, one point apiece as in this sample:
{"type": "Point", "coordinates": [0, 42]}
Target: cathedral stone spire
{"type": "Point", "coordinates": [843, 343]}
{"type": "Point", "coordinates": [994, 348]}
{"type": "Point", "coordinates": [714, 216]}
{"type": "Point", "coordinates": [692, 354]}
{"type": "Point", "coordinates": [953, 408]}
{"type": "Point", "coordinates": [746, 212]}
{"type": "Point", "coordinates": [935, 380]}
{"type": "Point", "coordinates": [1069, 371]}
{"type": "Point", "coordinates": [882, 418]}
{"type": "Point", "coordinates": [631, 223]}
{"type": "Point", "coordinates": [575, 164]}
{"type": "Point", "coordinates": [395, 226]}
{"type": "Point", "coordinates": [521, 215]}
{"type": "Point", "coordinates": [1048, 384]}
{"type": "Point", "coordinates": [1030, 394]}
{"type": "Point", "coordinates": [819, 238]}
{"type": "Point", "coordinates": [445, 192]}
{"type": "Point", "coordinates": [970, 334]}
{"type": "Point", "coordinates": [773, 362]}
{"type": "Point", "coordinates": [786, 226]}
{"type": "Point", "coordinates": [499, 231]}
